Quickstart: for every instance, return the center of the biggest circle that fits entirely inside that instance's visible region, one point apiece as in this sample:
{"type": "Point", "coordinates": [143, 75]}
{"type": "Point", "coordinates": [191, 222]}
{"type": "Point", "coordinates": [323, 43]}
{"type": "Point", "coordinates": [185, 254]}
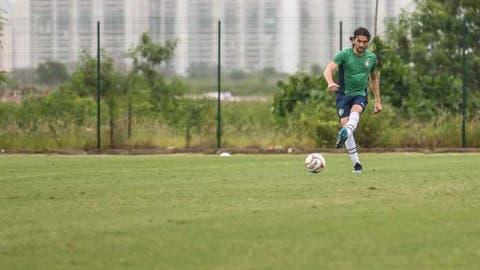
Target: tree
{"type": "Point", "coordinates": [113, 86]}
{"type": "Point", "coordinates": [303, 105]}
{"type": "Point", "coordinates": [299, 88]}
{"type": "Point", "coordinates": [394, 72]}
{"type": "Point", "coordinates": [22, 76]}
{"type": "Point", "coordinates": [149, 55]}
{"type": "Point", "coordinates": [52, 73]}
{"type": "Point", "coordinates": [191, 115]}
{"type": "Point", "coordinates": [163, 96]}
{"type": "Point", "coordinates": [428, 44]}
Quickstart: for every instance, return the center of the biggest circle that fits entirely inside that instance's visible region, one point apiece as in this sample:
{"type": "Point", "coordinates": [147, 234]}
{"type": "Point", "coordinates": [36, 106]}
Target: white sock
{"type": "Point", "coordinates": [351, 147]}
{"type": "Point", "coordinates": [352, 123]}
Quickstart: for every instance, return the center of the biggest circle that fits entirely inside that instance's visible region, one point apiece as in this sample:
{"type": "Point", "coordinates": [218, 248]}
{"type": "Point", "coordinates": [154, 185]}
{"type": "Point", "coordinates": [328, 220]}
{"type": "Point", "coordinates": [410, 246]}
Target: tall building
{"type": "Point", "coordinates": [17, 27]}
{"type": "Point", "coordinates": [202, 34]}
{"type": "Point", "coordinates": [84, 27]}
{"type": "Point", "coordinates": [165, 21]}
{"type": "Point", "coordinates": [233, 31]}
{"type": "Point", "coordinates": [284, 35]}
{"type": "Point", "coordinates": [50, 29]}
{"type": "Point", "coordinates": [317, 31]}
{"type": "Point", "coordinates": [252, 36]}
{"type": "Point", "coordinates": [289, 38]}
{"type": "Point", "coordinates": [162, 19]}
{"type": "Point", "coordinates": [6, 60]}
{"type": "Point", "coordinates": [60, 29]}
{"type": "Point", "coordinates": [363, 14]}
{"type": "Point", "coordinates": [113, 27]}
{"type": "Point", "coordinates": [269, 30]}
{"type": "Point", "coordinates": [320, 23]}
{"type": "Point", "coordinates": [252, 31]}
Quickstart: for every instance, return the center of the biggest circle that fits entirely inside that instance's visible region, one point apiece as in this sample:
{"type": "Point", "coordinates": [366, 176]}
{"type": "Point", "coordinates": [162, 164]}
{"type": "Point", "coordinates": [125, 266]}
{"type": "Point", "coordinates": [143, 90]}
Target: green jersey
{"type": "Point", "coordinates": [354, 70]}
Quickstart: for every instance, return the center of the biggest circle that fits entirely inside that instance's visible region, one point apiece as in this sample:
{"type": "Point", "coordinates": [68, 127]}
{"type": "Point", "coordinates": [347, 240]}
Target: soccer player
{"type": "Point", "coordinates": [356, 67]}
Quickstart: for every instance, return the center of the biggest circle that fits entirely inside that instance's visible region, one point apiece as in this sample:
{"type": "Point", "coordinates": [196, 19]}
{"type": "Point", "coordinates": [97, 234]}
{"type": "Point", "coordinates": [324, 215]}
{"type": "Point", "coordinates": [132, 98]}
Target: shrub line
{"type": "Point", "coordinates": [212, 151]}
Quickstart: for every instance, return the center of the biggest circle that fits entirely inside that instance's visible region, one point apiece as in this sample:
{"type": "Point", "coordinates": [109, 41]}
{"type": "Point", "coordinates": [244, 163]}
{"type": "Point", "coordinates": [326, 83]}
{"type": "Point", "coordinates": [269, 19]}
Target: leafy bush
{"type": "Point", "coordinates": [372, 128]}
{"type": "Point", "coordinates": [52, 73]}
{"type": "Point", "coordinates": [315, 120]}
{"type": "Point", "coordinates": [299, 88]}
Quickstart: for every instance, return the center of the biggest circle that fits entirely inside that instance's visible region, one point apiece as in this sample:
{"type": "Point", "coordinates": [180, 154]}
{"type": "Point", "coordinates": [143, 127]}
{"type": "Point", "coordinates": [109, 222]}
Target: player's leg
{"type": "Point", "coordinates": [342, 133]}
{"type": "Point", "coordinates": [350, 126]}
{"type": "Point", "coordinates": [346, 107]}
{"type": "Point", "coordinates": [353, 119]}
{"type": "Point", "coordinates": [351, 147]}
{"type": "Point", "coordinates": [358, 106]}
{"type": "Point", "coordinates": [343, 106]}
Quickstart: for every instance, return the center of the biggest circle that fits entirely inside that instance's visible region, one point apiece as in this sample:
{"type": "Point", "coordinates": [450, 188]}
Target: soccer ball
{"type": "Point", "coordinates": [315, 163]}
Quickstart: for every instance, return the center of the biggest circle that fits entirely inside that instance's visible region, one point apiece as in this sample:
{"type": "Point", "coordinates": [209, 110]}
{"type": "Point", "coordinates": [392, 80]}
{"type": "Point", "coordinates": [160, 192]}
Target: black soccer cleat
{"type": "Point", "coordinates": [342, 137]}
{"type": "Point", "coordinates": [357, 168]}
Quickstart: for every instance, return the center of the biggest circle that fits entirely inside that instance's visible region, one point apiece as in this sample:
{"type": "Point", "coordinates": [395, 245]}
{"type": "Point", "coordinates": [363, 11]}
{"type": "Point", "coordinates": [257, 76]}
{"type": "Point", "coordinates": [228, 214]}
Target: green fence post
{"type": "Point", "coordinates": [219, 117]}
{"type": "Point", "coordinates": [98, 88]}
{"type": "Point", "coordinates": [376, 19]}
{"type": "Point", "coordinates": [341, 35]}
{"type": "Point", "coordinates": [464, 90]}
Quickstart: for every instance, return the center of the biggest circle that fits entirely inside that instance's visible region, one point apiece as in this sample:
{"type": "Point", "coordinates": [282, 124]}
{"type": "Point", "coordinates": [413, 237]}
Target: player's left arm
{"type": "Point", "coordinates": [375, 85]}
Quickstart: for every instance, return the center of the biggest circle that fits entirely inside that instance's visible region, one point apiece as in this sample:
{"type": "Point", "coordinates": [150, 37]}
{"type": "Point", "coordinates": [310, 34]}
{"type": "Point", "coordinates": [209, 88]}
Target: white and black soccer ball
{"type": "Point", "coordinates": [315, 163]}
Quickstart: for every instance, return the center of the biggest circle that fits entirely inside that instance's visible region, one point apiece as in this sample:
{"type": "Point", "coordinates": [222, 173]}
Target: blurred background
{"type": "Point", "coordinates": [159, 61]}
{"type": "Point", "coordinates": [280, 35]}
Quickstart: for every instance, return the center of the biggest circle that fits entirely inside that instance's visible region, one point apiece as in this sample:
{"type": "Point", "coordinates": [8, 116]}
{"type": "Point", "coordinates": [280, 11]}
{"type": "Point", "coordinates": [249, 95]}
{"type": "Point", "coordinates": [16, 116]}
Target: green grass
{"type": "Point", "coordinates": [406, 211]}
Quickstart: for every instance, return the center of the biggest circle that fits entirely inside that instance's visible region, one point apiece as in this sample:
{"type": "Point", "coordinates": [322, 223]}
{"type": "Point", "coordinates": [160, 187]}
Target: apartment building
{"type": "Point", "coordinates": [284, 35]}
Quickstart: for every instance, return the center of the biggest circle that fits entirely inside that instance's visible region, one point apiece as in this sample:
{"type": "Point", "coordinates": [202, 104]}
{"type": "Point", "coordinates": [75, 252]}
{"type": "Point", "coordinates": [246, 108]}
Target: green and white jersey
{"type": "Point", "coordinates": [353, 71]}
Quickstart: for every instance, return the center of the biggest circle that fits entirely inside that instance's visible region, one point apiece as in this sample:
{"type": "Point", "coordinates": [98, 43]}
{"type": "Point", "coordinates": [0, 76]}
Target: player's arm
{"type": "Point", "coordinates": [328, 75]}
{"type": "Point", "coordinates": [374, 83]}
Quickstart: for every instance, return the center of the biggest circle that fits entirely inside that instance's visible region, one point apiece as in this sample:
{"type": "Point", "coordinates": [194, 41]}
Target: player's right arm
{"type": "Point", "coordinates": [328, 75]}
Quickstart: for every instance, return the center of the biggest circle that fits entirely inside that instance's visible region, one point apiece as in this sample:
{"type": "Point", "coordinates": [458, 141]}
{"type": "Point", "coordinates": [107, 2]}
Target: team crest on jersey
{"type": "Point", "coordinates": [340, 112]}
{"type": "Point", "coordinates": [367, 63]}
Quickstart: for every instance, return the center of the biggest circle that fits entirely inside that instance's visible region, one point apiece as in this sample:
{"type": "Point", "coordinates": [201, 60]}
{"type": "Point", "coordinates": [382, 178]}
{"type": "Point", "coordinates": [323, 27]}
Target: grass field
{"type": "Point", "coordinates": [406, 211]}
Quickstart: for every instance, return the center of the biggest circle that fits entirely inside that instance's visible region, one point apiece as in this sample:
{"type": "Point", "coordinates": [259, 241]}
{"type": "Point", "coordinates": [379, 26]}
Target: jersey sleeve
{"type": "Point", "coordinates": [374, 66]}
{"type": "Point", "coordinates": [339, 58]}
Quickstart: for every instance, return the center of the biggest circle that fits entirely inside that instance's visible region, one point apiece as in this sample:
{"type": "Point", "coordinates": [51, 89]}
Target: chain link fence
{"type": "Point", "coordinates": [255, 54]}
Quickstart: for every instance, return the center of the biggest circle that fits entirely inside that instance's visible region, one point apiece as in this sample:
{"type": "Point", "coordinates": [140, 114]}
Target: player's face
{"type": "Point", "coordinates": [360, 43]}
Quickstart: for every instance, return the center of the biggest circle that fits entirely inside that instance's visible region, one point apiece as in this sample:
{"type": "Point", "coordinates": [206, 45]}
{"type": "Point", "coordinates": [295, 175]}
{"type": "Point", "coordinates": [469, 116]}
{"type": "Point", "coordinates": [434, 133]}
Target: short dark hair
{"type": "Point", "coordinates": [361, 31]}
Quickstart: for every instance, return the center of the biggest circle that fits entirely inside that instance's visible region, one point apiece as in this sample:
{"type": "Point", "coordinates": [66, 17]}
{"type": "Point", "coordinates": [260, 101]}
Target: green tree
{"type": "Point", "coordinates": [394, 73]}
{"type": "Point", "coordinates": [428, 44]}
{"type": "Point", "coordinates": [148, 55]}
{"type": "Point", "coordinates": [163, 95]}
{"type": "Point", "coordinates": [304, 106]}
{"type": "Point", "coordinates": [113, 86]}
{"type": "Point", "coordinates": [52, 73]}
{"type": "Point", "coordinates": [191, 116]}
{"type": "Point", "coordinates": [22, 76]}
{"type": "Point", "coordinates": [299, 88]}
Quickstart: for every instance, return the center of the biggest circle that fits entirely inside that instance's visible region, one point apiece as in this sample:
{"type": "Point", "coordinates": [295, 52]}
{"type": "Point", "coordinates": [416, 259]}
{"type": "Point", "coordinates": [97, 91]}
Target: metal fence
{"type": "Point", "coordinates": [40, 55]}
{"type": "Point", "coordinates": [283, 45]}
